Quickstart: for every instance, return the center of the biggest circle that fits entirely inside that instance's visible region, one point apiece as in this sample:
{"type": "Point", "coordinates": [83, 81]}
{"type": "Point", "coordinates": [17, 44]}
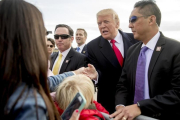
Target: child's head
{"type": "Point", "coordinates": [67, 90]}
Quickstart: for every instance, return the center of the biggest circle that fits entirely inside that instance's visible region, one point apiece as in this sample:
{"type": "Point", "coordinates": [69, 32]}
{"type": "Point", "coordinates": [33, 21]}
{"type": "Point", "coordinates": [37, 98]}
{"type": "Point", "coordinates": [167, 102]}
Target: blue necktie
{"type": "Point", "coordinates": [77, 49]}
{"type": "Point", "coordinates": [140, 76]}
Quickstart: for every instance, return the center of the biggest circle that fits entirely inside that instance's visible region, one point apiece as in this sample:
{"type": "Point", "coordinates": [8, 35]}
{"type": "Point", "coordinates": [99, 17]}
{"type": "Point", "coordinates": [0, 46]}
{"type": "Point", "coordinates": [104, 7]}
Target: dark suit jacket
{"type": "Point", "coordinates": [73, 61]}
{"type": "Point", "coordinates": [163, 77]}
{"type": "Point", "coordinates": [102, 56]}
{"type": "Point", "coordinates": [84, 50]}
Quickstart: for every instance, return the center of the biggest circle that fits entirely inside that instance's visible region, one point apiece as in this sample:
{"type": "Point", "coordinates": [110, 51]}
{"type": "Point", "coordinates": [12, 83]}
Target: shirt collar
{"type": "Point", "coordinates": [152, 43]}
{"type": "Point", "coordinates": [82, 46]}
{"type": "Point", "coordinates": [117, 38]}
{"type": "Point", "coordinates": [64, 53]}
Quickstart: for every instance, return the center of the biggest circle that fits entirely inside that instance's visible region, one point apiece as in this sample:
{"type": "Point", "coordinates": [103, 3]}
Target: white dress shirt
{"type": "Point", "coordinates": [64, 54]}
{"type": "Point", "coordinates": [81, 48]}
{"type": "Point", "coordinates": [151, 45]}
{"type": "Point", "coordinates": [119, 43]}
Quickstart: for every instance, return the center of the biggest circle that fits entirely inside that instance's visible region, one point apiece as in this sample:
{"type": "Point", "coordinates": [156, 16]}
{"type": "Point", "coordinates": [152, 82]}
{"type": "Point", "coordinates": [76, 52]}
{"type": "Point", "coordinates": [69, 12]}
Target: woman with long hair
{"type": "Point", "coordinates": [23, 63]}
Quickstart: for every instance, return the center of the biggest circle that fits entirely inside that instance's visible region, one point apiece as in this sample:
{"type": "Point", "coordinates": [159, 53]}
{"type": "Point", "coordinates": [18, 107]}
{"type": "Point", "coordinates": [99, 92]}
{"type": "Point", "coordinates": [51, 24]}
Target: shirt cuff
{"type": "Point", "coordinates": [96, 80]}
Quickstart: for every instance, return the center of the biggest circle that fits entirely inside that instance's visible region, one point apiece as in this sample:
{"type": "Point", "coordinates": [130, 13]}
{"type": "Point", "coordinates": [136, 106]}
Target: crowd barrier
{"type": "Point", "coordinates": [142, 117]}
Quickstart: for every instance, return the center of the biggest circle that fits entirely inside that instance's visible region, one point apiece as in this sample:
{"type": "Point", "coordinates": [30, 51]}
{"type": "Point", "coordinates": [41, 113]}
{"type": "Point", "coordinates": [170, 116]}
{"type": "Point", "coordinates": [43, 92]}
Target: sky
{"type": "Point", "coordinates": [82, 14]}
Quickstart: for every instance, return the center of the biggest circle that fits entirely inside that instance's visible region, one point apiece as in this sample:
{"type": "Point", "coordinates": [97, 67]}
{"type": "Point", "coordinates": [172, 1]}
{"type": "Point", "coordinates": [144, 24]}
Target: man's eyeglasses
{"type": "Point", "coordinates": [51, 46]}
{"type": "Point", "coordinates": [134, 19]}
{"type": "Point", "coordinates": [63, 36]}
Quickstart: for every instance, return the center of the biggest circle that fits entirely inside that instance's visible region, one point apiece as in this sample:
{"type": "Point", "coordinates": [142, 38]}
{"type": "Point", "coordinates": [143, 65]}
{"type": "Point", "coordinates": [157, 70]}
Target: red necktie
{"type": "Point", "coordinates": [117, 52]}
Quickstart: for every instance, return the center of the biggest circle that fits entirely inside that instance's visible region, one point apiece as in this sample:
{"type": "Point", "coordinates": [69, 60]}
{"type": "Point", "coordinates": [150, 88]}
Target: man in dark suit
{"type": "Point", "coordinates": [103, 57]}
{"type": "Point", "coordinates": [150, 80]}
{"type": "Point", "coordinates": [67, 59]}
{"type": "Point", "coordinates": [81, 36]}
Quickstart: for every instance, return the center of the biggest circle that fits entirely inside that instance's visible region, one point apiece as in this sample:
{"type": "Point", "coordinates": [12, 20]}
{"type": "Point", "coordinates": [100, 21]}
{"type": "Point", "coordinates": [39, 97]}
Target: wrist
{"type": "Point", "coordinates": [138, 104]}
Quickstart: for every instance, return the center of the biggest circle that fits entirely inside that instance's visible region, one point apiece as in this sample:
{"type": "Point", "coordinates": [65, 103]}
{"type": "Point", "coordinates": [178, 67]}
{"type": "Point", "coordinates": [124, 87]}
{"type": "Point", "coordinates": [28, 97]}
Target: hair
{"type": "Point", "coordinates": [71, 32]}
{"type": "Point", "coordinates": [85, 33]}
{"type": "Point", "coordinates": [67, 90]}
{"type": "Point", "coordinates": [23, 54]}
{"type": "Point", "coordinates": [52, 41]}
{"type": "Point", "coordinates": [109, 12]}
{"type": "Point", "coordinates": [148, 8]}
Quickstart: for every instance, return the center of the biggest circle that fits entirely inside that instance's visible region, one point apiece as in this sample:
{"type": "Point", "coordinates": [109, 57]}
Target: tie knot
{"type": "Point", "coordinates": [144, 49]}
{"type": "Point", "coordinates": [113, 41]}
{"type": "Point", "coordinates": [78, 48]}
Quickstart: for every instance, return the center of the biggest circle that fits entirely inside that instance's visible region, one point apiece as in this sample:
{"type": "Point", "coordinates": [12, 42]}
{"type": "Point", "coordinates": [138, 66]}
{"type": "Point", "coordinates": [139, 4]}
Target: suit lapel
{"type": "Point", "coordinates": [84, 50]}
{"type": "Point", "coordinates": [126, 41]}
{"type": "Point", "coordinates": [156, 54]}
{"type": "Point", "coordinates": [108, 52]}
{"type": "Point", "coordinates": [134, 61]}
{"type": "Point", "coordinates": [67, 60]}
{"type": "Point", "coordinates": [53, 58]}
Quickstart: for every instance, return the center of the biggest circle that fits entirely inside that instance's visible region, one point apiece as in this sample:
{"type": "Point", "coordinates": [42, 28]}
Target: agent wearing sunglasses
{"type": "Point", "coordinates": [67, 59]}
{"type": "Point", "coordinates": [150, 81]}
{"type": "Point", "coordinates": [107, 53]}
{"type": "Point", "coordinates": [50, 46]}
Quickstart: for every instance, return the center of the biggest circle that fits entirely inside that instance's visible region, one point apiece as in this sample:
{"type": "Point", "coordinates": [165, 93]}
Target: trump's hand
{"type": "Point", "coordinates": [79, 71]}
{"type": "Point", "coordinates": [91, 72]}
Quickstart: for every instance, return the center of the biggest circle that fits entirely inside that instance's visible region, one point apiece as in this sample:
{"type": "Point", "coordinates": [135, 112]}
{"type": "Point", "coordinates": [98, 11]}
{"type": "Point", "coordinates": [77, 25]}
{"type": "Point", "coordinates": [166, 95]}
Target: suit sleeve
{"type": "Point", "coordinates": [92, 59]}
{"type": "Point", "coordinates": [54, 81]}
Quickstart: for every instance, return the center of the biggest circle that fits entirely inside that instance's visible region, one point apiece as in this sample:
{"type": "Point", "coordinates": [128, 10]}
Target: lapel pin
{"type": "Point", "coordinates": [158, 49]}
{"type": "Point", "coordinates": [84, 51]}
{"type": "Point", "coordinates": [67, 61]}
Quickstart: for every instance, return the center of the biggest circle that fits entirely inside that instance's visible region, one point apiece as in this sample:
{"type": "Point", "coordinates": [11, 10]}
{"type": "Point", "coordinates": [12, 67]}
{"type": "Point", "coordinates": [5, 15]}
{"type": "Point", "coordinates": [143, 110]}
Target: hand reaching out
{"type": "Point", "coordinates": [79, 71]}
{"type": "Point", "coordinates": [91, 72]}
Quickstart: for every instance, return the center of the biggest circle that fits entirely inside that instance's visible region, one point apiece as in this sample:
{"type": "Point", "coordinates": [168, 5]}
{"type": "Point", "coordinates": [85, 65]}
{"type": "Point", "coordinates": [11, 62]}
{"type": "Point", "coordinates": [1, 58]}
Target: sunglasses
{"type": "Point", "coordinates": [133, 19]}
{"type": "Point", "coordinates": [63, 36]}
{"type": "Point", "coordinates": [51, 46]}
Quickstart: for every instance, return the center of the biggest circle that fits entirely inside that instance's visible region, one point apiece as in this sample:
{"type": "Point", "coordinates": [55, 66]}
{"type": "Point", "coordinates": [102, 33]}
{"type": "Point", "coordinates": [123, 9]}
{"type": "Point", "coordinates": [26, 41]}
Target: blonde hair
{"type": "Point", "coordinates": [67, 90]}
{"type": "Point", "coordinates": [108, 12]}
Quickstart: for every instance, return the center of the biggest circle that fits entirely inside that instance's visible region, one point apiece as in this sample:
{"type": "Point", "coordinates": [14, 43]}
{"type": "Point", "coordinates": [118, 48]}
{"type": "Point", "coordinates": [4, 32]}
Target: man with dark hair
{"type": "Point", "coordinates": [67, 59]}
{"type": "Point", "coordinates": [81, 36]}
{"type": "Point", "coordinates": [107, 53]}
{"type": "Point", "coordinates": [150, 80]}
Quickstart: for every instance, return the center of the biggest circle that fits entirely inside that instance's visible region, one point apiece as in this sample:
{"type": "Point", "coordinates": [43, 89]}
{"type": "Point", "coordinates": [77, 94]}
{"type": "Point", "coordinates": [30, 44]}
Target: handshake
{"type": "Point", "coordinates": [89, 71]}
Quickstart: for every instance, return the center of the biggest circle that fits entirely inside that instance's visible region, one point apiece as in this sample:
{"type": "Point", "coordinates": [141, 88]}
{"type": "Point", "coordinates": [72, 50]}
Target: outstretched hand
{"type": "Point", "coordinates": [91, 72]}
{"type": "Point", "coordinates": [79, 71]}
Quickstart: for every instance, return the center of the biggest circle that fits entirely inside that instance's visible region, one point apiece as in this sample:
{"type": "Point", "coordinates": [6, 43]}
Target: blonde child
{"type": "Point", "coordinates": [67, 90]}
